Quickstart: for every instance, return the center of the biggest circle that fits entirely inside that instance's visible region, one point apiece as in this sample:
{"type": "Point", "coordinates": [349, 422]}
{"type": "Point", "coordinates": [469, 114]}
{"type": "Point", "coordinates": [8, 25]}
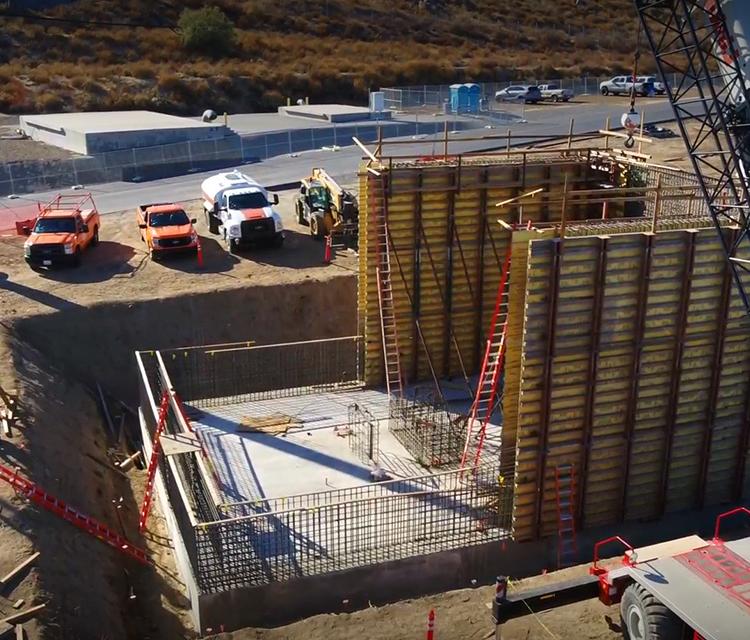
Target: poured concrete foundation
{"type": "Point", "coordinates": [95, 132]}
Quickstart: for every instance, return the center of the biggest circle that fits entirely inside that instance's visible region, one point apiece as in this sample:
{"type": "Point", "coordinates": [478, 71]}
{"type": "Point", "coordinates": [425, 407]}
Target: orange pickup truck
{"type": "Point", "coordinates": [166, 228]}
{"type": "Point", "coordinates": [62, 231]}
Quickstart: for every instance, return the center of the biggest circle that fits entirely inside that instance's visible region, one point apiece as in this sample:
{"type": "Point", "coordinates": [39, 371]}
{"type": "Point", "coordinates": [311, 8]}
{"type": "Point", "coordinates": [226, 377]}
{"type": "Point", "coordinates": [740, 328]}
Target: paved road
{"type": "Point", "coordinates": [546, 120]}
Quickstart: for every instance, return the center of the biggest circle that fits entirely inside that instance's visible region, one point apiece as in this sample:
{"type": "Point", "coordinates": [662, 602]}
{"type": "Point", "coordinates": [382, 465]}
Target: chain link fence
{"type": "Point", "coordinates": [433, 96]}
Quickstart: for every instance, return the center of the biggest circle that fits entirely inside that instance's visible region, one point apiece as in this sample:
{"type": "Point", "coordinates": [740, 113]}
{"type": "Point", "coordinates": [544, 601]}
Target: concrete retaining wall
{"type": "Point", "coordinates": [163, 161]}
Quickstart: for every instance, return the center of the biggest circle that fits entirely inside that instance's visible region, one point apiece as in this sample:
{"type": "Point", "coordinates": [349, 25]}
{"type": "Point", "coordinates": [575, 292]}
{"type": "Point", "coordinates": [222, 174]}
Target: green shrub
{"type": "Point", "coordinates": [206, 30]}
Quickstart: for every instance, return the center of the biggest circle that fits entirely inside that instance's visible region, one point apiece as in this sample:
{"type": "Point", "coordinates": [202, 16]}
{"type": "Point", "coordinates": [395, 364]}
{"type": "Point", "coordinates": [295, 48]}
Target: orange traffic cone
{"type": "Point", "coordinates": [431, 625]}
{"type": "Point", "coordinates": [199, 255]}
{"type": "Point", "coordinates": [327, 252]}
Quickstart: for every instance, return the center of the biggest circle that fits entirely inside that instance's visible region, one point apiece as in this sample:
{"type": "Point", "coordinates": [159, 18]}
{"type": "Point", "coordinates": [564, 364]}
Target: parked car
{"type": "Point", "coordinates": [659, 87]}
{"type": "Point", "coordinates": [555, 93]}
{"type": "Point", "coordinates": [528, 94]}
{"type": "Point", "coordinates": [622, 85]}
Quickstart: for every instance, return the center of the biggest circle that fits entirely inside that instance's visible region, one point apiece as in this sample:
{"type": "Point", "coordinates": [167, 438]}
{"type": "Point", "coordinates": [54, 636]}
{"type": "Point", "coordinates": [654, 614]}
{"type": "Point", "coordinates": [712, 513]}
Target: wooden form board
{"type": "Point", "coordinates": [634, 368]}
{"type": "Point", "coordinates": [446, 251]}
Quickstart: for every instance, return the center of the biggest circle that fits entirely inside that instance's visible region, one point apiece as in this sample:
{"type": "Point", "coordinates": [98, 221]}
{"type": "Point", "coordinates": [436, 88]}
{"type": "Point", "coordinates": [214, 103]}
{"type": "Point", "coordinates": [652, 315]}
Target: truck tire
{"type": "Point", "coordinates": [643, 617]}
{"type": "Point", "coordinates": [211, 223]}
{"type": "Point", "coordinates": [95, 239]}
{"type": "Point", "coordinates": [77, 258]}
{"type": "Point", "coordinates": [278, 240]}
{"type": "Point", "coordinates": [317, 228]}
{"type": "Point", "coordinates": [604, 91]}
{"type": "Point", "coordinates": [301, 215]}
{"type": "Point", "coordinates": [555, 98]}
{"type": "Point", "coordinates": [231, 244]}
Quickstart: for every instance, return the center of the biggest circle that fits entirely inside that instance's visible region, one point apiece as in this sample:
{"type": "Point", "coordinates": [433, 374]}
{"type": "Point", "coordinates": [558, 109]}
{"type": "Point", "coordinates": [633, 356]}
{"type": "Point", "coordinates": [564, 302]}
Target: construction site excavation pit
{"type": "Point", "coordinates": [503, 322]}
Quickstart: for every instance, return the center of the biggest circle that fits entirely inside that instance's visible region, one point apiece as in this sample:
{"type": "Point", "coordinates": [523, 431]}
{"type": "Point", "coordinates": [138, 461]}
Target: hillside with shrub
{"type": "Point", "coordinates": [107, 54]}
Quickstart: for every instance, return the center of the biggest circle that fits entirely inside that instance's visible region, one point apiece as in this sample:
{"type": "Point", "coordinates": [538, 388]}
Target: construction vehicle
{"type": "Point", "coordinates": [324, 206]}
{"type": "Point", "coordinates": [684, 589]}
{"type": "Point", "coordinates": [62, 231]}
{"type": "Point", "coordinates": [240, 210]}
{"type": "Point", "coordinates": [166, 229]}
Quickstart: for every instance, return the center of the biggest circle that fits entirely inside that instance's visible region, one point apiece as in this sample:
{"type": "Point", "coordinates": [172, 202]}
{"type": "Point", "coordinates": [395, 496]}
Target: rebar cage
{"type": "Point", "coordinates": [428, 431]}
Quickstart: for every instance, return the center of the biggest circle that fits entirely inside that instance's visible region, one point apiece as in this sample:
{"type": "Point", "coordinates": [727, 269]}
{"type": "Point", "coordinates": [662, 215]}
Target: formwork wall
{"type": "Point", "coordinates": [634, 367]}
{"type": "Point", "coordinates": [447, 249]}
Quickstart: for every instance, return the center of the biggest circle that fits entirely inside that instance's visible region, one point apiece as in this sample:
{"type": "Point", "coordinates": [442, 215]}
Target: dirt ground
{"type": "Point", "coordinates": [89, 589]}
{"type": "Point", "coordinates": [459, 615]}
{"type": "Point", "coordinates": [120, 267]}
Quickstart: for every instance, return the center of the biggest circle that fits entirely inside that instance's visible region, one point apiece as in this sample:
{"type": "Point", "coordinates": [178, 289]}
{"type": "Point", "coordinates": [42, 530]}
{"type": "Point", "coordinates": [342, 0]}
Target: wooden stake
{"type": "Point", "coordinates": [23, 615]}
{"type": "Point", "coordinates": [606, 128]}
{"type": "Point", "coordinates": [105, 409]}
{"type": "Point", "coordinates": [366, 151]}
{"type": "Point", "coordinates": [640, 142]}
{"type": "Point", "coordinates": [445, 143]}
{"type": "Point", "coordinates": [14, 572]}
{"type": "Point", "coordinates": [379, 148]}
{"type": "Point", "coordinates": [129, 461]}
{"type": "Point", "coordinates": [19, 632]}
{"type": "Point", "coordinates": [18, 603]}
{"type": "Point", "coordinates": [564, 205]}
{"type": "Point", "coordinates": [507, 146]}
{"type": "Point", "coordinates": [570, 134]}
{"type": "Point", "coordinates": [657, 203]}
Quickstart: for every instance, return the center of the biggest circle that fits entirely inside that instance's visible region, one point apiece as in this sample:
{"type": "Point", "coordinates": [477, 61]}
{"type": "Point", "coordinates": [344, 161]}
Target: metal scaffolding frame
{"type": "Point", "coordinates": [690, 37]}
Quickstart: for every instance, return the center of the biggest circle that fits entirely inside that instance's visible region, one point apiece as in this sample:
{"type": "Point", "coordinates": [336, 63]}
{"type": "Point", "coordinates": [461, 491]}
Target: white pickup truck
{"type": "Point", "coordinates": [555, 93]}
{"type": "Point", "coordinates": [240, 210]}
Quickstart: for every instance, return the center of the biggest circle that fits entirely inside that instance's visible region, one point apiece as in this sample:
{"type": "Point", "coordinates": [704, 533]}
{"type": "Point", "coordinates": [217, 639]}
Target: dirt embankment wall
{"type": "Point", "coordinates": [96, 343]}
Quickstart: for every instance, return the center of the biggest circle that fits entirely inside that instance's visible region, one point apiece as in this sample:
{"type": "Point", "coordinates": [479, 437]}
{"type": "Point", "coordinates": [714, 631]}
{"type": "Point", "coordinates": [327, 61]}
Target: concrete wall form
{"type": "Point", "coordinates": [446, 250]}
{"type": "Point", "coordinates": [150, 163]}
{"type": "Point", "coordinates": [633, 366]}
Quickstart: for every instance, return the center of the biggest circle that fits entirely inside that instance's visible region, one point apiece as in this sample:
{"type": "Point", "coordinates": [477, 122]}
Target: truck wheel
{"type": "Point", "coordinates": [211, 223]}
{"type": "Point", "coordinates": [231, 244]}
{"type": "Point", "coordinates": [77, 258]}
{"type": "Point", "coordinates": [301, 215]}
{"type": "Point", "coordinates": [317, 229]}
{"type": "Point", "coordinates": [278, 240]}
{"type": "Point", "coordinates": [555, 99]}
{"type": "Point", "coordinates": [95, 239]}
{"type": "Point", "coordinates": [643, 617]}
{"type": "Point", "coordinates": [604, 91]}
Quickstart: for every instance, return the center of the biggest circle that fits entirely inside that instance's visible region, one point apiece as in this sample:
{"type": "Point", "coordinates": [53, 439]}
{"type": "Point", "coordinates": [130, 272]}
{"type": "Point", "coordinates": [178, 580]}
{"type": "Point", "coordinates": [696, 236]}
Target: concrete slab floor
{"type": "Point", "coordinates": [308, 458]}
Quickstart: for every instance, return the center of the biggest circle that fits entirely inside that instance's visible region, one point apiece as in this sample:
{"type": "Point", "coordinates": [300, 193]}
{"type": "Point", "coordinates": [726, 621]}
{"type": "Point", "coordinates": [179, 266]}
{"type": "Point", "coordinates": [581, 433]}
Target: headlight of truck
{"type": "Point", "coordinates": [69, 248]}
{"type": "Point", "coordinates": [26, 249]}
{"type": "Point", "coordinates": [155, 242]}
{"type": "Point", "coordinates": [234, 231]}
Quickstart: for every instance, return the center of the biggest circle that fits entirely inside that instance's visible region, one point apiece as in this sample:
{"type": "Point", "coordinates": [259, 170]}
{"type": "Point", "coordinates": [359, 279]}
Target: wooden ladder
{"type": "Point", "coordinates": [389, 333]}
{"type": "Point", "coordinates": [492, 367]}
{"type": "Point", "coordinates": [153, 463]}
{"type": "Point", "coordinates": [565, 486]}
{"type": "Point", "coordinates": [23, 486]}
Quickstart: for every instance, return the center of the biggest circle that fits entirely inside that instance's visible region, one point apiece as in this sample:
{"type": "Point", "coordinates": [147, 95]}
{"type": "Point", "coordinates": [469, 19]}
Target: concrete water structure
{"type": "Point", "coordinates": [95, 132]}
{"type": "Point", "coordinates": [625, 361]}
{"type": "Point", "coordinates": [334, 112]}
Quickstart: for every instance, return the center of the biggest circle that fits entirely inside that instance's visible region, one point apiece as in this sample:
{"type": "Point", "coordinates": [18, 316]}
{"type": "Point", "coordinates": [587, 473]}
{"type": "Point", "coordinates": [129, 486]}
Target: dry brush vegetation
{"type": "Point", "coordinates": [332, 50]}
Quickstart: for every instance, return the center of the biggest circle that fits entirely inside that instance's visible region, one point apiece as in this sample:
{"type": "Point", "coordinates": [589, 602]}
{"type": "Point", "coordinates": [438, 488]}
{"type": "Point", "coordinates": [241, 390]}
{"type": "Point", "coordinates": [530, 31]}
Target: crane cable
{"type": "Point", "coordinates": [630, 142]}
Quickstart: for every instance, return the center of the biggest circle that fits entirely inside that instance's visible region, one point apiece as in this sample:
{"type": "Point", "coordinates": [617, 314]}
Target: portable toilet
{"type": "Point", "coordinates": [459, 98]}
{"type": "Point", "coordinates": [473, 97]}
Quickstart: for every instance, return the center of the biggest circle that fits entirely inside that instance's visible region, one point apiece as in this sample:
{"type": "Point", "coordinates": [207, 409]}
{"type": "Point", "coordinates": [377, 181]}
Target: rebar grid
{"type": "Point", "coordinates": [313, 540]}
{"type": "Point", "coordinates": [427, 430]}
{"type": "Point", "coordinates": [226, 374]}
{"type": "Point", "coordinates": [364, 439]}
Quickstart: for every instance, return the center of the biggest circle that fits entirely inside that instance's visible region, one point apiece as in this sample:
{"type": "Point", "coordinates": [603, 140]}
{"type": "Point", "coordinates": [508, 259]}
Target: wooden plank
{"type": "Point", "coordinates": [23, 615]}
{"type": "Point", "coordinates": [19, 632]}
{"type": "Point", "coordinates": [14, 572]}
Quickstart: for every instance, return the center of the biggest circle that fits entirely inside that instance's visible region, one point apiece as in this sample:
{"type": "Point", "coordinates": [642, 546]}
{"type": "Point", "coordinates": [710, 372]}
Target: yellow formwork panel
{"type": "Point", "coordinates": [443, 230]}
{"type": "Point", "coordinates": [662, 423]}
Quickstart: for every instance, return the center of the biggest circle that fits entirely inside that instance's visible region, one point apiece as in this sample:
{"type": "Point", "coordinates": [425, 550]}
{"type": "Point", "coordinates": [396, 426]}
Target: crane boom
{"type": "Point", "coordinates": [701, 52]}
